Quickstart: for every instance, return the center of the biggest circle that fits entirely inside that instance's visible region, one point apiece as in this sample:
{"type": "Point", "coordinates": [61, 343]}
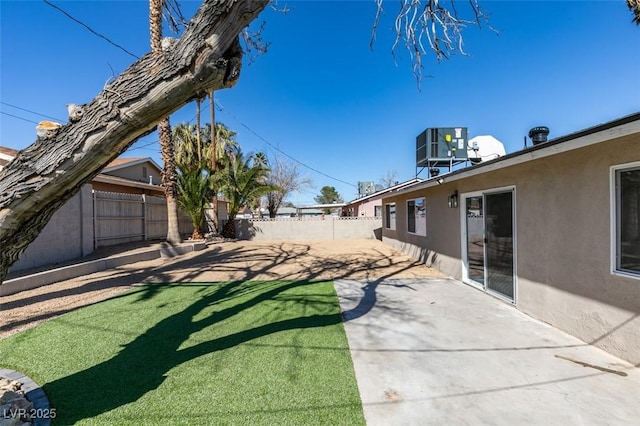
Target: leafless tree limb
{"type": "Point", "coordinates": [424, 26]}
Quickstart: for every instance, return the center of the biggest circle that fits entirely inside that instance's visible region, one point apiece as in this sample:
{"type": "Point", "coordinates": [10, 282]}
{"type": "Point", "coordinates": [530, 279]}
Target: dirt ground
{"type": "Point", "coordinates": [219, 262]}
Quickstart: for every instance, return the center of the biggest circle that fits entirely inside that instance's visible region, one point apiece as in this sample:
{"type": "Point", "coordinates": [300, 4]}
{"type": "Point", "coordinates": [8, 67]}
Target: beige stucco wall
{"type": "Point", "coordinates": [563, 242]}
{"type": "Point", "coordinates": [441, 247]}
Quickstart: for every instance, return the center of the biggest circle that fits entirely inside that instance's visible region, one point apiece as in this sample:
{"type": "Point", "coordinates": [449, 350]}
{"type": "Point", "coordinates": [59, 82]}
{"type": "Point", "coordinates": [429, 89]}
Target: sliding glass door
{"type": "Point", "coordinates": [489, 241]}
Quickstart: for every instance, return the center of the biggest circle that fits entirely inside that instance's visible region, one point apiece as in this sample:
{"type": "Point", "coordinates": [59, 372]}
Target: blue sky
{"type": "Point", "coordinates": [324, 98]}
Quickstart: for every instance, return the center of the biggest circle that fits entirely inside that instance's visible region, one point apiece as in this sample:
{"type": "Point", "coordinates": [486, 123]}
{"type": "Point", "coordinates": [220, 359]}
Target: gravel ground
{"type": "Point", "coordinates": [225, 261]}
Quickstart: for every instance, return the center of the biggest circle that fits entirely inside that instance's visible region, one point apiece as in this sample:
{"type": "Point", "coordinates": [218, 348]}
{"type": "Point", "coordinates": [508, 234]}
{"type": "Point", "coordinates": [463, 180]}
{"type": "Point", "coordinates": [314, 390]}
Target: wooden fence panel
{"type": "Point", "coordinates": [121, 218]}
{"type": "Point", "coordinates": [156, 217]}
{"type": "Point", "coordinates": [118, 218]}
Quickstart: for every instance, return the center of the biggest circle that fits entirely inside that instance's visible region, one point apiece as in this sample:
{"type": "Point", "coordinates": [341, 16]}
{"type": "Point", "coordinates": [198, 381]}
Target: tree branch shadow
{"type": "Point", "coordinates": [143, 364]}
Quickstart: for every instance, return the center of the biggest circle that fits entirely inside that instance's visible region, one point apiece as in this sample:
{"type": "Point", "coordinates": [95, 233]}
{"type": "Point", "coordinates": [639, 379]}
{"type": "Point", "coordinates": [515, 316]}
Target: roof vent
{"type": "Point", "coordinates": [539, 134]}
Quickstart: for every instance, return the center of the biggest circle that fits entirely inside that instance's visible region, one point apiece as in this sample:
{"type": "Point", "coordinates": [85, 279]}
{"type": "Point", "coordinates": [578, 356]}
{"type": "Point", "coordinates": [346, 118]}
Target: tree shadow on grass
{"type": "Point", "coordinates": [142, 365]}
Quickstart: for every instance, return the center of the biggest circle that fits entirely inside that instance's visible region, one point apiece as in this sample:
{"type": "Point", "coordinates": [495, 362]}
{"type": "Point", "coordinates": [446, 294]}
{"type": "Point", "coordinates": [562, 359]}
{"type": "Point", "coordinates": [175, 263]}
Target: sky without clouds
{"type": "Point", "coordinates": [323, 97]}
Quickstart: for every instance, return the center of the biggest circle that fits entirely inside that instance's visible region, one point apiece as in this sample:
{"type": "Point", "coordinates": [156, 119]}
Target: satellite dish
{"type": "Point", "coordinates": [484, 148]}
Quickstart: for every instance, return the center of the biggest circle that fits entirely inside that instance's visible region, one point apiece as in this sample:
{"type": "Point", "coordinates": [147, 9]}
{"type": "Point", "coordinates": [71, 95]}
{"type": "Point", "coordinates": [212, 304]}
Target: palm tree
{"type": "Point", "coordinates": [220, 146]}
{"type": "Point", "coordinates": [188, 149]}
{"type": "Point", "coordinates": [241, 181]}
{"type": "Point", "coordinates": [260, 159]}
{"type": "Point", "coordinates": [194, 191]}
{"type": "Point", "coordinates": [194, 184]}
{"type": "Point", "coordinates": [224, 143]}
{"type": "Point", "coordinates": [164, 133]}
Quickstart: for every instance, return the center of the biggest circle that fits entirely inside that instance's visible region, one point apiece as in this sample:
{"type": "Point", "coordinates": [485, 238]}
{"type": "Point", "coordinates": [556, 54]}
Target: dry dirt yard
{"type": "Point", "coordinates": [219, 262]}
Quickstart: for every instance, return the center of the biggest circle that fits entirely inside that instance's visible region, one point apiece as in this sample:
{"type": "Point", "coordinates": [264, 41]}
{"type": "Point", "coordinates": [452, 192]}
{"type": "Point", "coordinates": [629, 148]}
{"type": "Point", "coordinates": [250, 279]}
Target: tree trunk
{"type": "Point", "coordinates": [169, 181]}
{"type": "Point", "coordinates": [169, 178]}
{"type": "Point", "coordinates": [214, 163]}
{"type": "Point", "coordinates": [50, 171]}
{"type": "Point", "coordinates": [173, 233]}
{"type": "Point", "coordinates": [229, 230]}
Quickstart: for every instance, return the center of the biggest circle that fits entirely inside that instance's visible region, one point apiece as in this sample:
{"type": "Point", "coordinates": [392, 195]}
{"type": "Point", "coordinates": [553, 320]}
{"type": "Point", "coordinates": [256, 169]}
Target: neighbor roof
{"type": "Point", "coordinates": [378, 194]}
{"type": "Point", "coordinates": [116, 180]}
{"type": "Point", "coordinates": [121, 163]}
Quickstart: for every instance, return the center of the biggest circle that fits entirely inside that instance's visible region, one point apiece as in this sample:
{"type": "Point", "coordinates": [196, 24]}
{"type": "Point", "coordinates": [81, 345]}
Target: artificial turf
{"type": "Point", "coordinates": [208, 353]}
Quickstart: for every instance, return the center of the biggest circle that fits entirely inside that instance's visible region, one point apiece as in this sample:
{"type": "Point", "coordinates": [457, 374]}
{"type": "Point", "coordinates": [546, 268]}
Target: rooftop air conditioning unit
{"type": "Point", "coordinates": [441, 146]}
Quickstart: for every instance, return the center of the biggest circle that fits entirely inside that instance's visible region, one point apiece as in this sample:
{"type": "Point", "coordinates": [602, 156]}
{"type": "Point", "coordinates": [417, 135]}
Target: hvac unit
{"type": "Point", "coordinates": [441, 147]}
{"type": "Point", "coordinates": [366, 188]}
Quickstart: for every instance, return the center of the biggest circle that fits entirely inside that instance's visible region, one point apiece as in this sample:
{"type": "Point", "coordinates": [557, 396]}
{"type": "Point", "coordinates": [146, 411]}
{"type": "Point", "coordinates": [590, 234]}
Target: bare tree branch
{"type": "Point", "coordinates": [634, 7]}
{"type": "Point", "coordinates": [423, 26]}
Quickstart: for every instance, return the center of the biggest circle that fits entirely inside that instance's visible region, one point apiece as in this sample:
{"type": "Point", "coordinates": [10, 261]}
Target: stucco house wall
{"type": "Point", "coordinates": [367, 208]}
{"type": "Point", "coordinates": [136, 169]}
{"type": "Point", "coordinates": [563, 239]}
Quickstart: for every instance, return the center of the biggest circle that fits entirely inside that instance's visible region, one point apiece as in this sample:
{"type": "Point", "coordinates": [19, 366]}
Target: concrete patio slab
{"type": "Point", "coordinates": [436, 351]}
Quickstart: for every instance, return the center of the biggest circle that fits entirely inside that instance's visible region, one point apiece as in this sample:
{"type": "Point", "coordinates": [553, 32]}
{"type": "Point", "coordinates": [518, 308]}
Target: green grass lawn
{"type": "Point", "coordinates": [196, 354]}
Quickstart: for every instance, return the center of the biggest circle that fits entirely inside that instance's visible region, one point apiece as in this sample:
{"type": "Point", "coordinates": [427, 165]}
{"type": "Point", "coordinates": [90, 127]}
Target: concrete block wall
{"type": "Point", "coordinates": [329, 228]}
{"type": "Point", "coordinates": [67, 236]}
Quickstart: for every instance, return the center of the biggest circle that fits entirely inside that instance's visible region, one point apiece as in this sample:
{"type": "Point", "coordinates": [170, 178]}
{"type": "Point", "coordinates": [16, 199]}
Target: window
{"type": "Point", "coordinates": [390, 215]}
{"type": "Point", "coordinates": [627, 219]}
{"type": "Point", "coordinates": [417, 217]}
{"type": "Point", "coordinates": [377, 211]}
{"type": "Point", "coordinates": [144, 172]}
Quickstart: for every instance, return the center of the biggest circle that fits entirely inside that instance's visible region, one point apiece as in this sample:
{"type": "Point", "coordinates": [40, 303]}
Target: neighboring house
{"type": "Point", "coordinates": [319, 210]}
{"type": "Point", "coordinates": [123, 175]}
{"type": "Point", "coordinates": [371, 205]}
{"type": "Point", "coordinates": [553, 229]}
{"type": "Point", "coordinates": [141, 176]}
{"type": "Point", "coordinates": [123, 203]}
{"type": "Point", "coordinates": [284, 212]}
{"type": "Point", "coordinates": [132, 176]}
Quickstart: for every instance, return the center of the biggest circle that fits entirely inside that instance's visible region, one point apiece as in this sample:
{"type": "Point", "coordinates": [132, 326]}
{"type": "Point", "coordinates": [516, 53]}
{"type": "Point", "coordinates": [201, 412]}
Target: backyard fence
{"type": "Point", "coordinates": [122, 218]}
{"type": "Point", "coordinates": [309, 228]}
{"type": "Point", "coordinates": [93, 219]}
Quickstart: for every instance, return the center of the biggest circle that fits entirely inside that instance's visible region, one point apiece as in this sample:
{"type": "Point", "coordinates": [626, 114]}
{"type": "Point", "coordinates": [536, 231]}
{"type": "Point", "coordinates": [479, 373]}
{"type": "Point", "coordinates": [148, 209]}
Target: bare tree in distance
{"type": "Point", "coordinates": [287, 178]}
{"type": "Point", "coordinates": [389, 179]}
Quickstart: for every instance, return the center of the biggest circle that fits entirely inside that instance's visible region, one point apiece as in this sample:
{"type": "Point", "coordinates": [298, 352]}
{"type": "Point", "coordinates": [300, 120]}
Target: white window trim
{"type": "Point", "coordinates": [613, 247]}
{"type": "Point", "coordinates": [387, 224]}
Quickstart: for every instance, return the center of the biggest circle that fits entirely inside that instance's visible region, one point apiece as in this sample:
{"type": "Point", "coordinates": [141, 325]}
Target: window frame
{"type": "Point", "coordinates": [615, 216]}
{"type": "Point", "coordinates": [387, 215]}
{"type": "Point", "coordinates": [416, 222]}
